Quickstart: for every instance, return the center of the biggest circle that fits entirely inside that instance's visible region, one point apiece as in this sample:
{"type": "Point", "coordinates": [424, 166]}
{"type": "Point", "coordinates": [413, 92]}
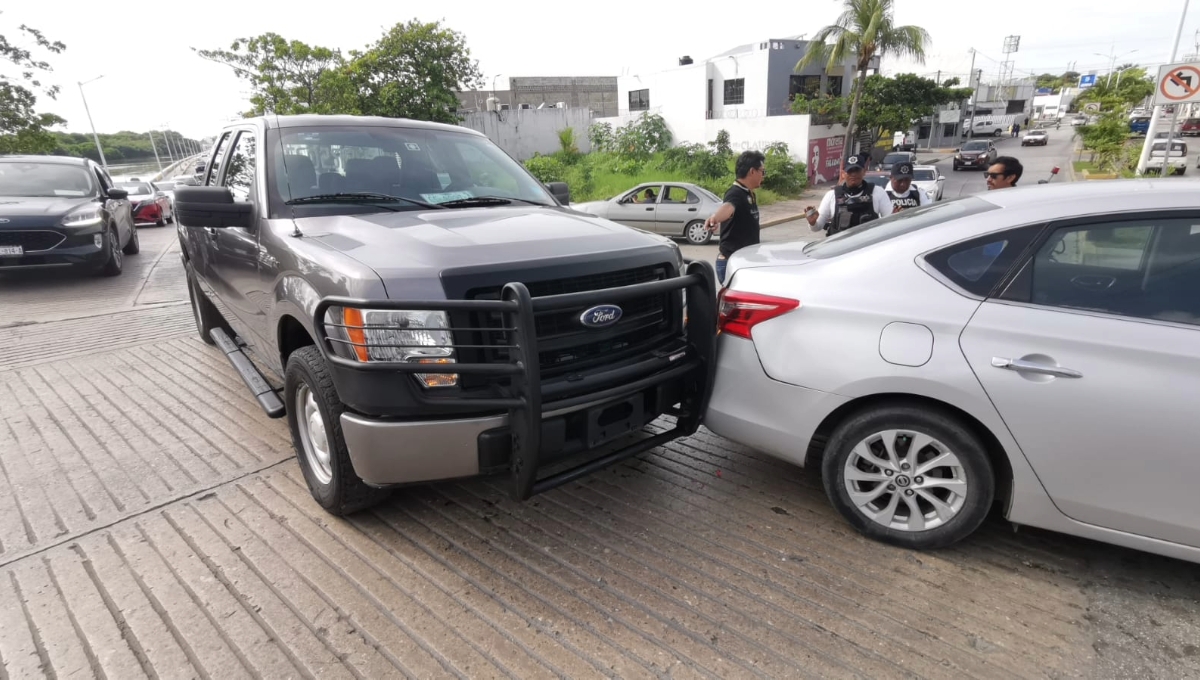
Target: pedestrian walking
{"type": "Point", "coordinates": [850, 203]}
{"type": "Point", "coordinates": [901, 192]}
{"type": "Point", "coordinates": [1016, 129]}
{"type": "Point", "coordinates": [738, 215]}
{"type": "Point", "coordinates": [1004, 173]}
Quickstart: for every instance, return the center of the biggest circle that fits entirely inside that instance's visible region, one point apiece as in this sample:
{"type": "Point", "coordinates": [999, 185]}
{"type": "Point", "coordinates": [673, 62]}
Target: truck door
{"type": "Point", "coordinates": [233, 251]}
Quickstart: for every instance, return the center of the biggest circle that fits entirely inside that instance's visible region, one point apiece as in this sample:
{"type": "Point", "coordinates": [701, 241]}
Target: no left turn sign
{"type": "Point", "coordinates": [1178, 83]}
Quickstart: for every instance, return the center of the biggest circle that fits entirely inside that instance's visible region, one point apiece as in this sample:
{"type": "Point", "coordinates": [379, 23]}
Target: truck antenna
{"type": "Point", "coordinates": [296, 233]}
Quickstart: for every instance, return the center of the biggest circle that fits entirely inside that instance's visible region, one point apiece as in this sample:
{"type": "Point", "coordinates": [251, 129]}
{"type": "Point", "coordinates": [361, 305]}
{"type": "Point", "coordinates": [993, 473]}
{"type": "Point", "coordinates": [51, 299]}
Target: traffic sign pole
{"type": "Point", "coordinates": [1146, 146]}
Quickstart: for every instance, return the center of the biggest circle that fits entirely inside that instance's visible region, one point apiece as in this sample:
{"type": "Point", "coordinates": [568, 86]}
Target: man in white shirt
{"type": "Point", "coordinates": [850, 203]}
{"type": "Point", "coordinates": [901, 191]}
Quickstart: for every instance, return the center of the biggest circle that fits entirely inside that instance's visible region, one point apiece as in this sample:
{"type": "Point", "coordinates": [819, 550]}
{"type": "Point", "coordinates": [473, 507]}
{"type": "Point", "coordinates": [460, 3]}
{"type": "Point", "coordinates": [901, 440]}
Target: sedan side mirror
{"type": "Point", "coordinates": [211, 207]}
{"type": "Point", "coordinates": [561, 192]}
{"type": "Point", "coordinates": [118, 194]}
{"type": "Point", "coordinates": [941, 178]}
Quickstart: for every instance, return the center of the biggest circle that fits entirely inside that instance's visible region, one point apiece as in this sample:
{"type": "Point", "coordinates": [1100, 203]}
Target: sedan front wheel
{"type": "Point", "coordinates": [910, 476]}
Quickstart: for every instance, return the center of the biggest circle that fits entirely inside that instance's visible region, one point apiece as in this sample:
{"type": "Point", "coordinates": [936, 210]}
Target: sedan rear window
{"type": "Point", "coordinates": [898, 224]}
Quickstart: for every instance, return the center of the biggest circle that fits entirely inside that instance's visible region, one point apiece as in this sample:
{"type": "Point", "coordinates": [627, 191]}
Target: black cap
{"type": "Point", "coordinates": [901, 170]}
{"type": "Point", "coordinates": [855, 163]}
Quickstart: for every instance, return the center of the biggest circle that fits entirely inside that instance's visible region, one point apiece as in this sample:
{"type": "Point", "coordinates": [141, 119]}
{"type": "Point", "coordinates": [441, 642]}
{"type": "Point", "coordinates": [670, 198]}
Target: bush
{"type": "Point", "coordinates": [547, 169]}
{"type": "Point", "coordinates": [696, 160]}
{"type": "Point", "coordinates": [602, 137]}
{"type": "Point", "coordinates": [721, 144]}
{"type": "Point", "coordinates": [566, 142]}
{"type": "Point", "coordinates": [784, 175]}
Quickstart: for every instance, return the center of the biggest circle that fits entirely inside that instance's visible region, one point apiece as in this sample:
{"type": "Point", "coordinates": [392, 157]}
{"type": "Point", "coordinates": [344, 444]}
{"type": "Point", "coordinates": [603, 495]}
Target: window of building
{"type": "Point", "coordinates": [639, 100]}
{"type": "Point", "coordinates": [805, 87]}
{"type": "Point", "coordinates": [735, 91]}
{"type": "Point", "coordinates": [833, 86]}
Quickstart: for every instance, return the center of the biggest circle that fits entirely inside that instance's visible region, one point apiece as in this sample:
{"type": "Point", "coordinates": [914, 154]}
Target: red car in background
{"type": "Point", "coordinates": [148, 204]}
{"type": "Point", "coordinates": [1190, 128]}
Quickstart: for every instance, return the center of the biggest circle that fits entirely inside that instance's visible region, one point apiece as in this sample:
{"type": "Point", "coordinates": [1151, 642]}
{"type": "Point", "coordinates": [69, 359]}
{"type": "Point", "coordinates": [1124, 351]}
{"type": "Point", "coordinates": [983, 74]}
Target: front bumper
{"type": "Point", "coordinates": [753, 409]}
{"type": "Point", "coordinates": [539, 424]}
{"type": "Point", "coordinates": [77, 248]}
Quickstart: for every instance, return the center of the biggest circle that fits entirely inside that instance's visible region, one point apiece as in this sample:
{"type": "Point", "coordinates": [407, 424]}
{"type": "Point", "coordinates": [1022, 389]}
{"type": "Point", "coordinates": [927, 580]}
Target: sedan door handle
{"type": "Point", "coordinates": [1022, 366]}
{"type": "Point", "coordinates": [691, 210]}
{"type": "Point", "coordinates": [649, 209]}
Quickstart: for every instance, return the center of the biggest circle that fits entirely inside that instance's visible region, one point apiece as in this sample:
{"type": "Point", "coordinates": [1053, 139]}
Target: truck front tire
{"type": "Point", "coordinates": [314, 417]}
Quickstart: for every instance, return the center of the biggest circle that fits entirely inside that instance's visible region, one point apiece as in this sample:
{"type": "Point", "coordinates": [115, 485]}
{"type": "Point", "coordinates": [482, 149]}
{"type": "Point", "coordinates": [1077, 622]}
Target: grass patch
{"type": "Point", "coordinates": [1091, 167]}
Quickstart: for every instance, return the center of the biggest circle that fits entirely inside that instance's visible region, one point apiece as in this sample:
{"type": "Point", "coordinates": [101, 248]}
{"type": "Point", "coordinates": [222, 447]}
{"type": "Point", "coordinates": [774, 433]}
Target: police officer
{"type": "Point", "coordinates": [901, 191]}
{"type": "Point", "coordinates": [850, 203]}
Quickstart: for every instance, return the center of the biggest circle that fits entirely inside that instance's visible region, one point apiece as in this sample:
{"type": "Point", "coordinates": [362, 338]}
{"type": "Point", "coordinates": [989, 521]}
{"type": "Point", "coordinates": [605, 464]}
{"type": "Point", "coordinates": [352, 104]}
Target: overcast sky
{"type": "Point", "coordinates": [155, 82]}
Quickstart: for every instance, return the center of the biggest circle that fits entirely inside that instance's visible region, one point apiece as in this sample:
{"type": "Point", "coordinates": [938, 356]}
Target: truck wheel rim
{"type": "Point", "coordinates": [697, 233]}
{"type": "Point", "coordinates": [313, 435]}
{"type": "Point", "coordinates": [905, 480]}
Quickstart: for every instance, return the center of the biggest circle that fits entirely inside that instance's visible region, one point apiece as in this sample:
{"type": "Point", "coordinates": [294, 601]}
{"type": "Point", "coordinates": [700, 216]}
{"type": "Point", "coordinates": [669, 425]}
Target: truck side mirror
{"type": "Point", "coordinates": [211, 207]}
{"type": "Point", "coordinates": [560, 191]}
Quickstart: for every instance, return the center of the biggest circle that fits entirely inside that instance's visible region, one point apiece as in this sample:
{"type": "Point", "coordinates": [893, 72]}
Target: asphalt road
{"type": "Point", "coordinates": [1038, 162]}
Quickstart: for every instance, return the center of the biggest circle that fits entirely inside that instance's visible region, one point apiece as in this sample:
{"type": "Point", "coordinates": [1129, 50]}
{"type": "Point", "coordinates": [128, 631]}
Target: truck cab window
{"type": "Point", "coordinates": [239, 172]}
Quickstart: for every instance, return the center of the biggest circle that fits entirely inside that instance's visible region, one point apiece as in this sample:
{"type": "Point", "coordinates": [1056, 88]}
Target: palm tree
{"type": "Point", "coordinates": [863, 31]}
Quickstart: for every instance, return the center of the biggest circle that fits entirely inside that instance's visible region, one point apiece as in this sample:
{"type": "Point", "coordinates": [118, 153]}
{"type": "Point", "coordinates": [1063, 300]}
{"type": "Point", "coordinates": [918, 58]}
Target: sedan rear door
{"type": "Point", "coordinates": [676, 209]}
{"type": "Point", "coordinates": [1091, 355]}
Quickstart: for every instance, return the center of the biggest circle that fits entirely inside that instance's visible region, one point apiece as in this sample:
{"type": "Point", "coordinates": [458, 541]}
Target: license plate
{"type": "Point", "coordinates": [12, 250]}
{"type": "Point", "coordinates": [612, 421]}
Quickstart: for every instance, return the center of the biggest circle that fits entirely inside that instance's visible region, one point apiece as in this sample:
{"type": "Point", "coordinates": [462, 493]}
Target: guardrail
{"type": "Point", "coordinates": [174, 168]}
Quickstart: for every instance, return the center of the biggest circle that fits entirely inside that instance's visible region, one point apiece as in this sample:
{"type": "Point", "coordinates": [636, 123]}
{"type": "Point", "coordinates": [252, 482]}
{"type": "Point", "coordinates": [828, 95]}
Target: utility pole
{"type": "Point", "coordinates": [95, 136]}
{"type": "Point", "coordinates": [1146, 146]}
{"type": "Point", "coordinates": [974, 100]}
{"type": "Point", "coordinates": [156, 158]}
{"type": "Point", "coordinates": [933, 122]}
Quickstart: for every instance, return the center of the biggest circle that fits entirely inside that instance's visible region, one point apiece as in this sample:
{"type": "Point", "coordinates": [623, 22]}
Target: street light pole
{"type": "Point", "coordinates": [1154, 116]}
{"type": "Point", "coordinates": [152, 146]}
{"type": "Point", "coordinates": [1112, 64]}
{"type": "Point", "coordinates": [95, 137]}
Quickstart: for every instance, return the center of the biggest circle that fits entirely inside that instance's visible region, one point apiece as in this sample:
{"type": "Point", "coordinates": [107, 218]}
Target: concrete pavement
{"type": "Point", "coordinates": [154, 523]}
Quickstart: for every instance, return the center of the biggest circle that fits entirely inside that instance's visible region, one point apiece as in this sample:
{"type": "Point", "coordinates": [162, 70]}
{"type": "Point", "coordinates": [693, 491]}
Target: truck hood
{"type": "Point", "coordinates": [421, 244]}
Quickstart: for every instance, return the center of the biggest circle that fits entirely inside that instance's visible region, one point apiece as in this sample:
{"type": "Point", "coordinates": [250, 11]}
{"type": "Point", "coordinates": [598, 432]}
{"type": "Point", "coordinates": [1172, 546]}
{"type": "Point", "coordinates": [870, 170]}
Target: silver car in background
{"type": "Point", "coordinates": [1037, 348]}
{"type": "Point", "coordinates": [929, 180]}
{"type": "Point", "coordinates": [674, 209]}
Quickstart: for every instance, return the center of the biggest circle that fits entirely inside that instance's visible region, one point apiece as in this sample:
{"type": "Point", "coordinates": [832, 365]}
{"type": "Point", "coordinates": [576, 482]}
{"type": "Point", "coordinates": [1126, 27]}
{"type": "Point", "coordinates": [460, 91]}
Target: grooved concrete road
{"type": "Point", "coordinates": [153, 523]}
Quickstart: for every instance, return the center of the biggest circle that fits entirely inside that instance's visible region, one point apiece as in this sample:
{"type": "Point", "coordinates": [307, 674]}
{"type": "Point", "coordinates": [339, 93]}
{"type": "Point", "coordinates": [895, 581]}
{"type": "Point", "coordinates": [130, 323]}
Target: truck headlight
{"type": "Point", "coordinates": [84, 216]}
{"type": "Point", "coordinates": [395, 336]}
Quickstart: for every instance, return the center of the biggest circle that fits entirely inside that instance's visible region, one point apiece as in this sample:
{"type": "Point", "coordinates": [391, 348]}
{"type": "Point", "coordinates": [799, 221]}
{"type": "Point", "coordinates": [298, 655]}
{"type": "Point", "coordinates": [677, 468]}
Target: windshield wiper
{"type": "Point", "coordinates": [361, 197]}
{"type": "Point", "coordinates": [487, 200]}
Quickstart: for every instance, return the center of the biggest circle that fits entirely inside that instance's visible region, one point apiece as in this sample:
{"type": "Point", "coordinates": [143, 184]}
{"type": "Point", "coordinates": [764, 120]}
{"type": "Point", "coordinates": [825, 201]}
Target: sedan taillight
{"type": "Point", "coordinates": [740, 311]}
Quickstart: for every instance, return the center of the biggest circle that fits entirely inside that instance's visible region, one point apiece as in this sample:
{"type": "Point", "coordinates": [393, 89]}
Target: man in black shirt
{"type": "Point", "coordinates": [738, 215]}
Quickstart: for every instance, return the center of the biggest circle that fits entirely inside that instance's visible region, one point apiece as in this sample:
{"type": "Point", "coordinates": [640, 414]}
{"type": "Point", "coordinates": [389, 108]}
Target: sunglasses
{"type": "Point", "coordinates": [994, 175]}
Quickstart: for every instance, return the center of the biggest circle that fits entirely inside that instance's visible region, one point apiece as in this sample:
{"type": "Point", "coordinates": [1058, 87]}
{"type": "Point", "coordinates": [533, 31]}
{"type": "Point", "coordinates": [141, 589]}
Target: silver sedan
{"type": "Point", "coordinates": [1034, 348]}
{"type": "Point", "coordinates": [671, 208]}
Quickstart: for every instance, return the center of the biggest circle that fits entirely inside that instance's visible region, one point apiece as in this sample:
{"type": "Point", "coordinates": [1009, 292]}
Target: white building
{"type": "Point", "coordinates": [746, 91]}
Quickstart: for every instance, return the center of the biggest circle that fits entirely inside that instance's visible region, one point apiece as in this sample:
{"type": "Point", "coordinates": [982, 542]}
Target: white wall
{"type": "Point", "coordinates": [752, 66]}
{"type": "Point", "coordinates": [744, 133]}
{"type": "Point", "coordinates": [525, 132]}
{"type": "Point", "coordinates": [679, 95]}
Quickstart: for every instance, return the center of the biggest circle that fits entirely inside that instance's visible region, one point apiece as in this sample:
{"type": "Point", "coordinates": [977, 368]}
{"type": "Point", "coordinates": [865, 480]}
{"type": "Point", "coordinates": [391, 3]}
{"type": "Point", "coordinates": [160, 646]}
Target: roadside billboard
{"type": "Point", "coordinates": [825, 159]}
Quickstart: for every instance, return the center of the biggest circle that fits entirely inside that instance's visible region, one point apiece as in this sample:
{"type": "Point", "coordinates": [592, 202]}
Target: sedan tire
{"type": "Point", "coordinates": [314, 414]}
{"type": "Point", "coordinates": [914, 477]}
{"type": "Point", "coordinates": [697, 234]}
{"type": "Point", "coordinates": [115, 263]}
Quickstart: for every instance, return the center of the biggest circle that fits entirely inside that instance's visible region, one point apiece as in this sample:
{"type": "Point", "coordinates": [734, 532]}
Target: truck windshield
{"type": "Point", "coordinates": [430, 166]}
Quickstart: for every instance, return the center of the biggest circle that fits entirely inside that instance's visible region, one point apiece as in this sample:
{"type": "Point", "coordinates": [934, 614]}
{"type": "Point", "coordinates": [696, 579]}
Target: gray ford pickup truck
{"type": "Point", "coordinates": [421, 308]}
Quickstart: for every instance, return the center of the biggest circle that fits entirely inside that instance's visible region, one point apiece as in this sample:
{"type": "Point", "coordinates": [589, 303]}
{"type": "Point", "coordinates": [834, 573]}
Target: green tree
{"type": "Point", "coordinates": [413, 71]}
{"type": "Point", "coordinates": [287, 76]}
{"type": "Point", "coordinates": [890, 104]}
{"type": "Point", "coordinates": [22, 128]}
{"type": "Point", "coordinates": [864, 30]}
{"type": "Point", "coordinates": [1123, 90]}
{"type": "Point", "coordinates": [1107, 137]}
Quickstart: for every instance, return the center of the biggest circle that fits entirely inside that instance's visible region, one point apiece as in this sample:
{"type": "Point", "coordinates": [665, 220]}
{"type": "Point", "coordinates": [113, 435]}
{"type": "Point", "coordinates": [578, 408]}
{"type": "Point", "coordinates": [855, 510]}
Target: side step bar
{"type": "Point", "coordinates": [267, 399]}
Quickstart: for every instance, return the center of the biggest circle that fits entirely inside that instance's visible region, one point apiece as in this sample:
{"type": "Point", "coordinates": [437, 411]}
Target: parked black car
{"type": "Point", "coordinates": [57, 211]}
{"type": "Point", "coordinates": [424, 309]}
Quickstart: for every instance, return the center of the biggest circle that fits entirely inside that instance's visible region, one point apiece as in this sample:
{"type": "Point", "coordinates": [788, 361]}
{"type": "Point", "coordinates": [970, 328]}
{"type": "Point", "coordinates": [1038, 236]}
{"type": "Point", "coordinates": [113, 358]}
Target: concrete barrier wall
{"type": "Point", "coordinates": [525, 132]}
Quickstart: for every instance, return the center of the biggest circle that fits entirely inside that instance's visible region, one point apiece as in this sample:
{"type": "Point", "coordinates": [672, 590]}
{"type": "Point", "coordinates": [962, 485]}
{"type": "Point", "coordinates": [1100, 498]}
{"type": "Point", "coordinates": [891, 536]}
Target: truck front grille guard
{"type": "Point", "coordinates": [526, 399]}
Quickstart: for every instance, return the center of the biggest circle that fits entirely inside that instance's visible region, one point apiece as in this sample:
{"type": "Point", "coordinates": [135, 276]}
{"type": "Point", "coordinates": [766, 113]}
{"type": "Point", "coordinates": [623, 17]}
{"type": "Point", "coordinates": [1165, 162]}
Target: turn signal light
{"type": "Point", "coordinates": [740, 311]}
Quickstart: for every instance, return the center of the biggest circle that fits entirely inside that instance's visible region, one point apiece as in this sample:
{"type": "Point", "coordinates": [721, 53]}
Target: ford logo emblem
{"type": "Point", "coordinates": [601, 316]}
